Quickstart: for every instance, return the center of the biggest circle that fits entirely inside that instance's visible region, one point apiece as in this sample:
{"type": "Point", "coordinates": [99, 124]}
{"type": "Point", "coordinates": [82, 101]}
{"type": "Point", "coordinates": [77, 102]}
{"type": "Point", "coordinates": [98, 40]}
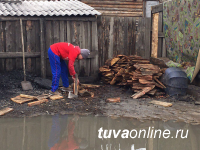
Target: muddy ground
{"type": "Point", "coordinates": [183, 108]}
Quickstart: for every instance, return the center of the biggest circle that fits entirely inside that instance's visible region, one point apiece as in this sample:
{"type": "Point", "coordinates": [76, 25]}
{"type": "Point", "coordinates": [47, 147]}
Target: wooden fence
{"type": "Point", "coordinates": [39, 34]}
{"type": "Point", "coordinates": [106, 36]}
{"type": "Point", "coordinates": [123, 35]}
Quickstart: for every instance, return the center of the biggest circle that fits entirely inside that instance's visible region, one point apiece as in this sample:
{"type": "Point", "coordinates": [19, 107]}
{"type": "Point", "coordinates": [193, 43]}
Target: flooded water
{"type": "Point", "coordinates": [69, 132]}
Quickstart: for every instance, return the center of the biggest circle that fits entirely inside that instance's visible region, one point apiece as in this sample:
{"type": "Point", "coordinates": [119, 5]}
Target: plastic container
{"type": "Point", "coordinates": [176, 81]}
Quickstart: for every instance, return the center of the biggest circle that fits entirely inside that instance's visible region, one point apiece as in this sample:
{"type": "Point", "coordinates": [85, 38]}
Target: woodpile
{"type": "Point", "coordinates": [133, 71]}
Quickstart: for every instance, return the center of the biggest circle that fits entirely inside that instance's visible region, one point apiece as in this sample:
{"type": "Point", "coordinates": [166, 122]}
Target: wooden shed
{"type": "Point", "coordinates": [45, 23]}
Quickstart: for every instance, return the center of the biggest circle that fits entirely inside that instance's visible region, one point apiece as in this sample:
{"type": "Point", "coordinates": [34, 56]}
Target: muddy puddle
{"type": "Point", "coordinates": [67, 132]}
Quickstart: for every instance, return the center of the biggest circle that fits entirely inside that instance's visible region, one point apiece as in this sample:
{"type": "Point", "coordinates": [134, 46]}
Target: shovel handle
{"type": "Point", "coordinates": [22, 37]}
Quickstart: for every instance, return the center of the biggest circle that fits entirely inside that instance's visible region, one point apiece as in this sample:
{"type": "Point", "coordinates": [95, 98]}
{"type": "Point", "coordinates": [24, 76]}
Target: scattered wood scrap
{"type": "Point", "coordinates": [55, 97]}
{"type": "Point", "coordinates": [5, 111]}
{"type": "Point", "coordinates": [18, 99]}
{"type": "Point", "coordinates": [85, 93]}
{"type": "Point", "coordinates": [43, 96]}
{"type": "Point", "coordinates": [197, 102]}
{"type": "Point", "coordinates": [37, 102]}
{"type": "Point", "coordinates": [165, 104]}
{"type": "Point", "coordinates": [90, 86]}
{"type": "Point", "coordinates": [143, 92]}
{"type": "Point", "coordinates": [27, 96]}
{"type": "Point", "coordinates": [132, 71]}
{"type": "Point", "coordinates": [113, 100]}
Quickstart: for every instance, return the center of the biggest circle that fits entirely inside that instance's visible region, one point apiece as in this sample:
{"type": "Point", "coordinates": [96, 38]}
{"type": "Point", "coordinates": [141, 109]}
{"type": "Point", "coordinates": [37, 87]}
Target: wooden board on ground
{"type": "Point", "coordinates": [143, 92]}
{"type": "Point", "coordinates": [27, 96]}
{"type": "Point", "coordinates": [55, 97]}
{"type": "Point", "coordinates": [165, 104]}
{"type": "Point", "coordinates": [18, 99]}
{"type": "Point", "coordinates": [5, 110]}
{"type": "Point", "coordinates": [37, 102]}
{"type": "Point", "coordinates": [90, 86]}
{"type": "Point", "coordinates": [113, 100]}
{"type": "Point", "coordinates": [43, 96]}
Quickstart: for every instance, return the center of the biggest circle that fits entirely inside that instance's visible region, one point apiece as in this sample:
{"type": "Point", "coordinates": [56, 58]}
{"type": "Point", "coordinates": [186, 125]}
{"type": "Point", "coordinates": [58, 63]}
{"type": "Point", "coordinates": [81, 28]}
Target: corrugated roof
{"type": "Point", "coordinates": [46, 8]}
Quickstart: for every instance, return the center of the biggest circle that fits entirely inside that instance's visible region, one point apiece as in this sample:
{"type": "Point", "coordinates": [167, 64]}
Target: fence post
{"type": "Point", "coordinates": [42, 48]}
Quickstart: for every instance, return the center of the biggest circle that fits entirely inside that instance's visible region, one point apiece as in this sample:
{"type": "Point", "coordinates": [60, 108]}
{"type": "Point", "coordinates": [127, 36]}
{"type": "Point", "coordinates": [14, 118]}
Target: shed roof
{"type": "Point", "coordinates": [46, 8]}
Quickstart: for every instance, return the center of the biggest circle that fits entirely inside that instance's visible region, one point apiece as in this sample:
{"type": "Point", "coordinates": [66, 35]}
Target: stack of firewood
{"type": "Point", "coordinates": [132, 71]}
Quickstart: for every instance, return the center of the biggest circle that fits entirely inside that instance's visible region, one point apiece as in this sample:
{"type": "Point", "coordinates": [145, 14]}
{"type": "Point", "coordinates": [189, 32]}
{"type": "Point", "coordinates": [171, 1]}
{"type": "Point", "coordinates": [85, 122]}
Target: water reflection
{"type": "Point", "coordinates": [68, 132]}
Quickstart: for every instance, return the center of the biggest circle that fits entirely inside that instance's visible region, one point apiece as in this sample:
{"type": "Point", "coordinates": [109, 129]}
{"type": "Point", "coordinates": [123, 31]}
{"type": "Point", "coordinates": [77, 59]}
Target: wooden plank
{"type": "Point", "coordinates": [110, 49]}
{"type": "Point", "coordinates": [157, 8]}
{"type": "Point", "coordinates": [48, 41]}
{"type": "Point", "coordinates": [113, 2]}
{"type": "Point", "coordinates": [9, 45]}
{"type": "Point", "coordinates": [130, 39]}
{"type": "Point", "coordinates": [37, 46]}
{"type": "Point", "coordinates": [37, 102]}
{"type": "Point", "coordinates": [143, 92]}
{"type": "Point", "coordinates": [154, 50]}
{"type": "Point", "coordinates": [43, 55]}
{"type": "Point", "coordinates": [68, 32]}
{"type": "Point", "coordinates": [28, 44]}
{"type": "Point", "coordinates": [33, 46]}
{"type": "Point", "coordinates": [5, 111]}
{"type": "Point", "coordinates": [95, 47]}
{"type": "Point", "coordinates": [133, 36]}
{"type": "Point", "coordinates": [89, 46]}
{"type": "Point", "coordinates": [27, 96]}
{"type": "Point", "coordinates": [90, 86]}
{"type": "Point", "coordinates": [147, 38]}
{"type": "Point", "coordinates": [119, 9]}
{"type": "Point", "coordinates": [2, 46]}
{"type": "Point", "coordinates": [125, 36]}
{"type": "Point", "coordinates": [118, 6]}
{"type": "Point", "coordinates": [56, 37]}
{"type": "Point", "coordinates": [18, 99]}
{"type": "Point", "coordinates": [165, 104]}
{"type": "Point", "coordinates": [82, 40]}
{"type": "Point", "coordinates": [18, 54]}
{"type": "Point", "coordinates": [71, 18]}
{"type": "Point", "coordinates": [113, 100]}
{"type": "Point", "coordinates": [55, 97]}
{"type": "Point", "coordinates": [164, 51]}
{"type": "Point", "coordinates": [123, 15]}
{"type": "Point", "coordinates": [160, 29]}
{"type": "Point", "coordinates": [121, 49]}
{"type": "Point", "coordinates": [140, 48]}
{"type": "Point", "coordinates": [62, 32]}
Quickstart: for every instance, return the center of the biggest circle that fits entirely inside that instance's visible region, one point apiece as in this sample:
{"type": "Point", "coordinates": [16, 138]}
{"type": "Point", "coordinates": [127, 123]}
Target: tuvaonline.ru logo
{"type": "Point", "coordinates": [142, 133]}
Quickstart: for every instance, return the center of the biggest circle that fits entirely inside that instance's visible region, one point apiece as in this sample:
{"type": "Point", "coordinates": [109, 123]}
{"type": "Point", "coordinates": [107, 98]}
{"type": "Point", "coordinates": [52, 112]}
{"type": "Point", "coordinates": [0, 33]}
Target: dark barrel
{"type": "Point", "coordinates": [176, 81]}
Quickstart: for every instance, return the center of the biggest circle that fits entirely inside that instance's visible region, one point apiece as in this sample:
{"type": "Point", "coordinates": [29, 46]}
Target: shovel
{"type": "Point", "coordinates": [26, 85]}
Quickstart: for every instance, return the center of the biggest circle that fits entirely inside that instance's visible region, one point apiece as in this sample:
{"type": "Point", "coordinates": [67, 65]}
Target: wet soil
{"type": "Point", "coordinates": [183, 108]}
